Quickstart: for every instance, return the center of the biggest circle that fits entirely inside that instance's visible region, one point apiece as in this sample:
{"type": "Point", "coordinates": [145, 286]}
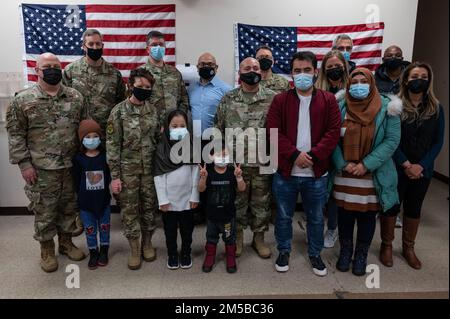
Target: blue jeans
{"type": "Point", "coordinates": [314, 196]}
{"type": "Point", "coordinates": [92, 223]}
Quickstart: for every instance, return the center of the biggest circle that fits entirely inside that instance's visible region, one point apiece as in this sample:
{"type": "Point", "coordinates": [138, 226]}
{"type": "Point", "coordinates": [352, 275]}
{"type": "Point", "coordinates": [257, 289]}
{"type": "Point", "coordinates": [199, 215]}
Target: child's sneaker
{"type": "Point", "coordinates": [103, 257]}
{"type": "Point", "coordinates": [93, 259]}
{"type": "Point", "coordinates": [172, 262]}
{"type": "Point", "coordinates": [186, 261]}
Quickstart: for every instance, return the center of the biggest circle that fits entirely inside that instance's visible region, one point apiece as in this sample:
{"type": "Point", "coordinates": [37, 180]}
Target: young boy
{"type": "Point", "coordinates": [220, 181]}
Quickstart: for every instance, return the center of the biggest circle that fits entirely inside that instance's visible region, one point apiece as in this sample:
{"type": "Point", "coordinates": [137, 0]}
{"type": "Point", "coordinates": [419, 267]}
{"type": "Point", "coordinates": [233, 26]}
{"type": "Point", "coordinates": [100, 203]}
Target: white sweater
{"type": "Point", "coordinates": [178, 188]}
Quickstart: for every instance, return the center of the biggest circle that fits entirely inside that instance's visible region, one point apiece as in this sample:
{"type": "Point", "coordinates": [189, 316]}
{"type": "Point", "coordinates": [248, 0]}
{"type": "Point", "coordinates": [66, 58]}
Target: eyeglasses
{"type": "Point", "coordinates": [206, 64]}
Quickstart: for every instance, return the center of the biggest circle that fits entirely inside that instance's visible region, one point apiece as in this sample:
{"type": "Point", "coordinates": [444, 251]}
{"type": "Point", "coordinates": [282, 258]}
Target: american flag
{"type": "Point", "coordinates": [59, 28]}
{"type": "Point", "coordinates": [285, 41]}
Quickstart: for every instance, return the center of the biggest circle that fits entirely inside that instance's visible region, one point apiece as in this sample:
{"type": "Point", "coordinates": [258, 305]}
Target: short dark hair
{"type": "Point", "coordinates": [89, 33]}
{"type": "Point", "coordinates": [141, 73]}
{"type": "Point", "coordinates": [263, 47]}
{"type": "Point", "coordinates": [154, 34]}
{"type": "Point", "coordinates": [304, 56]}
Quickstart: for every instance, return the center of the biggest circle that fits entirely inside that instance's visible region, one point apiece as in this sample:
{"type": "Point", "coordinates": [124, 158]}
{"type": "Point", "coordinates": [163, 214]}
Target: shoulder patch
{"type": "Point", "coordinates": [110, 129]}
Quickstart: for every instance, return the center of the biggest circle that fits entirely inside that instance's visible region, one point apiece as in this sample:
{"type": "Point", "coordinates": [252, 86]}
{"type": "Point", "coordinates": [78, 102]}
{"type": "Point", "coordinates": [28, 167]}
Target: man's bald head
{"type": "Point", "coordinates": [46, 60]}
{"type": "Point", "coordinates": [393, 51]}
{"type": "Point", "coordinates": [207, 58]}
{"type": "Point", "coordinates": [248, 65]}
{"type": "Point", "coordinates": [52, 66]}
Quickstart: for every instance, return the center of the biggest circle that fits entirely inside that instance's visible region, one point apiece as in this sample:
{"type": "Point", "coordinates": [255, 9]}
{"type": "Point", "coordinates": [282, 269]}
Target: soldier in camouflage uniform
{"type": "Point", "coordinates": [270, 80]}
{"type": "Point", "coordinates": [246, 107]}
{"type": "Point", "coordinates": [42, 124]}
{"type": "Point", "coordinates": [133, 132]}
{"type": "Point", "coordinates": [100, 83]}
{"type": "Point", "coordinates": [169, 83]}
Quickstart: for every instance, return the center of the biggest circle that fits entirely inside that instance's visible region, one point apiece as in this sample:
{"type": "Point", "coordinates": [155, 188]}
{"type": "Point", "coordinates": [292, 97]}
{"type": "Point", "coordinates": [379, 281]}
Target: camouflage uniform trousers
{"type": "Point", "coordinates": [138, 204]}
{"type": "Point", "coordinates": [257, 196]}
{"type": "Point", "coordinates": [53, 202]}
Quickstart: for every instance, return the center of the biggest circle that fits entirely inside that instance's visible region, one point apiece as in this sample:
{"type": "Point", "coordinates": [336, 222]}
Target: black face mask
{"type": "Point", "coordinates": [250, 78]}
{"type": "Point", "coordinates": [335, 74]}
{"type": "Point", "coordinates": [206, 73]}
{"type": "Point", "coordinates": [142, 94]}
{"type": "Point", "coordinates": [265, 64]}
{"type": "Point", "coordinates": [94, 54]}
{"type": "Point", "coordinates": [393, 63]}
{"type": "Point", "coordinates": [52, 76]}
{"type": "Point", "coordinates": [418, 85]}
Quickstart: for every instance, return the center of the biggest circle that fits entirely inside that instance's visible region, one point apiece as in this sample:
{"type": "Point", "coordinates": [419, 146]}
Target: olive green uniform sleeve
{"type": "Point", "coordinates": [114, 135]}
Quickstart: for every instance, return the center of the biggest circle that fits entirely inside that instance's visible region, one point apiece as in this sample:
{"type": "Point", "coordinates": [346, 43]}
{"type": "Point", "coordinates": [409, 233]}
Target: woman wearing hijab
{"type": "Point", "coordinates": [365, 182]}
{"type": "Point", "coordinates": [176, 181]}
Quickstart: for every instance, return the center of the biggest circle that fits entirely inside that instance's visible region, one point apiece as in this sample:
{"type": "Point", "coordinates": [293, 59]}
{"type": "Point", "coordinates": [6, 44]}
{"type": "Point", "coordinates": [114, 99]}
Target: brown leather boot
{"type": "Point", "coordinates": [410, 227]}
{"type": "Point", "coordinates": [79, 227]}
{"type": "Point", "coordinates": [66, 247]}
{"type": "Point", "coordinates": [148, 252]}
{"type": "Point", "coordinates": [239, 241]}
{"type": "Point", "coordinates": [387, 227]}
{"type": "Point", "coordinates": [134, 260]}
{"type": "Point", "coordinates": [49, 263]}
{"type": "Point", "coordinates": [258, 244]}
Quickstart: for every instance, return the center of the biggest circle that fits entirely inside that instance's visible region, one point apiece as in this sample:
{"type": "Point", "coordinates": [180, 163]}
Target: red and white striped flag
{"type": "Point", "coordinates": [285, 41]}
{"type": "Point", "coordinates": [58, 29]}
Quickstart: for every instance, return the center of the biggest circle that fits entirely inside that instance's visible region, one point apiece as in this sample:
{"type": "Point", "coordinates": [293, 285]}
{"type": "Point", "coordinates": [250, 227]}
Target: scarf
{"type": "Point", "coordinates": [360, 120]}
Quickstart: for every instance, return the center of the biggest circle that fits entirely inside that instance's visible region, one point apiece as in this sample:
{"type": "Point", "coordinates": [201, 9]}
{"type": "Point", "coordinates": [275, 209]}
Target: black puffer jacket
{"type": "Point", "coordinates": [384, 83]}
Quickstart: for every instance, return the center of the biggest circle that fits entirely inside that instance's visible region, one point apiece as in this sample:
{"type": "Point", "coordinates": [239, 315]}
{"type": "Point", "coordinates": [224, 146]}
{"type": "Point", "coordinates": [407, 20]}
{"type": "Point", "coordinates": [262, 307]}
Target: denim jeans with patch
{"type": "Point", "coordinates": [93, 224]}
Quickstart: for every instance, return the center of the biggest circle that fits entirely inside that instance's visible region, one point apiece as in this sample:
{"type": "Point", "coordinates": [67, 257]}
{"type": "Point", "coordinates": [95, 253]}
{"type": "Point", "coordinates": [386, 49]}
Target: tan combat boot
{"type": "Point", "coordinates": [49, 263]}
{"type": "Point", "coordinates": [66, 247]}
{"type": "Point", "coordinates": [134, 260]}
{"type": "Point", "coordinates": [148, 252]}
{"type": "Point", "coordinates": [258, 244]}
{"type": "Point", "coordinates": [239, 241]}
{"type": "Point", "coordinates": [79, 227]}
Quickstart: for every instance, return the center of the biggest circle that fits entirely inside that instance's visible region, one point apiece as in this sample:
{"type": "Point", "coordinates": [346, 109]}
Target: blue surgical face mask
{"type": "Point", "coordinates": [178, 133]}
{"type": "Point", "coordinates": [157, 52]}
{"type": "Point", "coordinates": [359, 91]}
{"type": "Point", "coordinates": [303, 81]}
{"type": "Point", "coordinates": [91, 143]}
{"type": "Point", "coordinates": [346, 55]}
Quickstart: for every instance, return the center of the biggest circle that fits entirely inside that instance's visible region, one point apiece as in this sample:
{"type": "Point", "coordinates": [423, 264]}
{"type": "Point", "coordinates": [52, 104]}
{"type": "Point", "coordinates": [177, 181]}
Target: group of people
{"type": "Point", "coordinates": [353, 144]}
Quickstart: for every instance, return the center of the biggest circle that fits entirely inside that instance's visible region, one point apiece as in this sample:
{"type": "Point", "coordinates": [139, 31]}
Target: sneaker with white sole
{"type": "Point", "coordinates": [398, 222]}
{"type": "Point", "coordinates": [172, 262]}
{"type": "Point", "coordinates": [186, 261]}
{"type": "Point", "coordinates": [318, 266]}
{"type": "Point", "coordinates": [282, 263]}
{"type": "Point", "coordinates": [330, 238]}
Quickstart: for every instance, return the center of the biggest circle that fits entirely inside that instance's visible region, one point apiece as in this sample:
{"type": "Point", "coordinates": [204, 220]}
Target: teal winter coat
{"type": "Point", "coordinates": [379, 161]}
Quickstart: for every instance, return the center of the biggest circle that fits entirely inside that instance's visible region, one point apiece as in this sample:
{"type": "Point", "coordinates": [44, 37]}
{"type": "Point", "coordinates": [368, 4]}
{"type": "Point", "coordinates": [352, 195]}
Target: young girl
{"type": "Point", "coordinates": [220, 182]}
{"type": "Point", "coordinates": [176, 189]}
{"type": "Point", "coordinates": [92, 179]}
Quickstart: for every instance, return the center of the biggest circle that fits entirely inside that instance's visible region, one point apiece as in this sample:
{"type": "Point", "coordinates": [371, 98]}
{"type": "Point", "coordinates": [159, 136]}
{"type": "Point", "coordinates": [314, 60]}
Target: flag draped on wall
{"type": "Point", "coordinates": [285, 41]}
{"type": "Point", "coordinates": [58, 29]}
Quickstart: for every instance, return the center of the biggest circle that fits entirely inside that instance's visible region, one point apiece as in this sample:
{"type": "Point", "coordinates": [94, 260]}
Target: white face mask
{"type": "Point", "coordinates": [221, 161]}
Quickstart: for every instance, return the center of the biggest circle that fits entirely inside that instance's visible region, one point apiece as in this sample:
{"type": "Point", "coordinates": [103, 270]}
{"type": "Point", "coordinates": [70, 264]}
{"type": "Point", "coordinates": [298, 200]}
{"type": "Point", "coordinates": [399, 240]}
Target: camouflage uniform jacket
{"type": "Point", "coordinates": [236, 110]}
{"type": "Point", "coordinates": [132, 134]}
{"type": "Point", "coordinates": [169, 85]}
{"type": "Point", "coordinates": [102, 87]}
{"type": "Point", "coordinates": [42, 129]}
{"type": "Point", "coordinates": [276, 83]}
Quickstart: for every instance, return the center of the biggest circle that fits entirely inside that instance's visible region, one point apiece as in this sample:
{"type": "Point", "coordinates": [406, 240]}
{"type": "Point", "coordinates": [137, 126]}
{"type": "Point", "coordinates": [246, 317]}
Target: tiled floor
{"type": "Point", "coordinates": [21, 276]}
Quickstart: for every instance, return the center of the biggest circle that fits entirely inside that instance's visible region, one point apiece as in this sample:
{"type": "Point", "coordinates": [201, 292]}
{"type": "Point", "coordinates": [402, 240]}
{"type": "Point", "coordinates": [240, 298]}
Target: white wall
{"type": "Point", "coordinates": [207, 25]}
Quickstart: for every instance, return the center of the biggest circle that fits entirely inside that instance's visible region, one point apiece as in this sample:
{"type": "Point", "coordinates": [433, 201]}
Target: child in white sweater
{"type": "Point", "coordinates": [176, 188]}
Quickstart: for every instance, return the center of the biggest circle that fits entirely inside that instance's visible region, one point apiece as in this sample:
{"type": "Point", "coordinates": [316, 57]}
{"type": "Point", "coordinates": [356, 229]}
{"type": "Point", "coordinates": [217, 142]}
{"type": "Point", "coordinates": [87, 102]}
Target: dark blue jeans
{"type": "Point", "coordinates": [92, 223]}
{"type": "Point", "coordinates": [314, 196]}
